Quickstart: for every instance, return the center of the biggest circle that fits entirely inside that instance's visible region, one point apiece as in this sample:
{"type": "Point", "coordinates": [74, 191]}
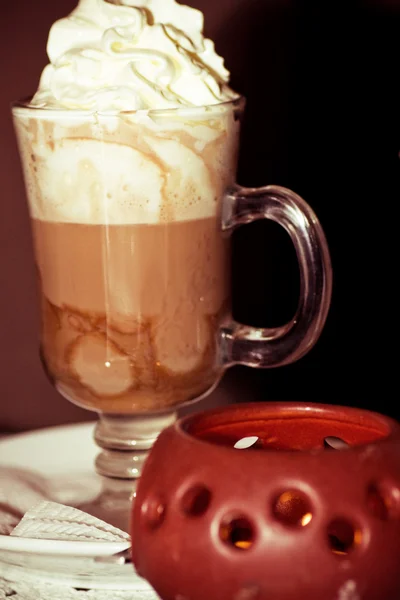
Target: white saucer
{"type": "Point", "coordinates": [63, 458]}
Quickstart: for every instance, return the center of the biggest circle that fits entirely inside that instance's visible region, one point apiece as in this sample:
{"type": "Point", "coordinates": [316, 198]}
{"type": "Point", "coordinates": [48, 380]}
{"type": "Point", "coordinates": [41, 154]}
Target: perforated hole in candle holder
{"type": "Point", "coordinates": [383, 500]}
{"type": "Point", "coordinates": [237, 532]}
{"type": "Point", "coordinates": [335, 443]}
{"type": "Point", "coordinates": [343, 536]}
{"type": "Point", "coordinates": [196, 500]}
{"type": "Point", "coordinates": [246, 442]}
{"type": "Point", "coordinates": [293, 509]}
{"type": "Point", "coordinates": [154, 512]}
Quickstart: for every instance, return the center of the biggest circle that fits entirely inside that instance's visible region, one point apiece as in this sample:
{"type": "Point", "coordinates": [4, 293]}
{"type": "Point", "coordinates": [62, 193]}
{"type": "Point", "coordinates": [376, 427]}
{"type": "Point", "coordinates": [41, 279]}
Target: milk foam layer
{"type": "Point", "coordinates": [128, 169]}
{"type": "Point", "coordinates": [129, 55]}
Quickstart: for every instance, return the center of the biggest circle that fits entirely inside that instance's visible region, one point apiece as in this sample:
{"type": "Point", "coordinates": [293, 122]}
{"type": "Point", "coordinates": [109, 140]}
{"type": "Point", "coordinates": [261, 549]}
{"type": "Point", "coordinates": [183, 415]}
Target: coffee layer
{"type": "Point", "coordinates": [130, 312]}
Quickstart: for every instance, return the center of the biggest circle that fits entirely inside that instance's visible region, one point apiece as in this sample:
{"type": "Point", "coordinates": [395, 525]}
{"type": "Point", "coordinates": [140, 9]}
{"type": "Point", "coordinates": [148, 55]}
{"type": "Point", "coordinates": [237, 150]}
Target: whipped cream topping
{"type": "Point", "coordinates": [131, 55]}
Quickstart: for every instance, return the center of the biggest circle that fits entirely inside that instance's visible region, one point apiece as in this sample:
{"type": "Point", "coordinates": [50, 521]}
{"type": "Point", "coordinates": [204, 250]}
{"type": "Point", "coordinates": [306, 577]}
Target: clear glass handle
{"type": "Point", "coordinates": [265, 348]}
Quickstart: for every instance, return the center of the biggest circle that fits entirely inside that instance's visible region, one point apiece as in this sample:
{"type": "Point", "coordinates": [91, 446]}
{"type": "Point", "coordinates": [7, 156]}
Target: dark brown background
{"type": "Point", "coordinates": [322, 118]}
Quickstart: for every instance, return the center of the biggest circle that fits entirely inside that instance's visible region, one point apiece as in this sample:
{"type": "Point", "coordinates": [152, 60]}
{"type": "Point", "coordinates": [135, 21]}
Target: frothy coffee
{"type": "Point", "coordinates": [126, 168]}
{"type": "Point", "coordinates": [125, 171]}
{"type": "Point", "coordinates": [133, 269]}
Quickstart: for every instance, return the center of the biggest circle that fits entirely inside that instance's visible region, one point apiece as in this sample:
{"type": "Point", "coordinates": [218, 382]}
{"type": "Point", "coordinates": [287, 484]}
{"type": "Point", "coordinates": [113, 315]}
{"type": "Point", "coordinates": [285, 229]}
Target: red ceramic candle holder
{"type": "Point", "coordinates": [311, 511]}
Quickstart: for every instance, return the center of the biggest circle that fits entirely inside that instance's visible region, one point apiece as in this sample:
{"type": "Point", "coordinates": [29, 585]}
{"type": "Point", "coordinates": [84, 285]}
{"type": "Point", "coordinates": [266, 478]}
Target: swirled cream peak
{"type": "Point", "coordinates": [130, 55]}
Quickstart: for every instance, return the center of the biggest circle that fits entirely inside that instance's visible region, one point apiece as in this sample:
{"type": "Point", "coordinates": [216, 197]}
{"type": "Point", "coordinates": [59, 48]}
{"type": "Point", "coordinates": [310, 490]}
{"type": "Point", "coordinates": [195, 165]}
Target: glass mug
{"type": "Point", "coordinates": [132, 214]}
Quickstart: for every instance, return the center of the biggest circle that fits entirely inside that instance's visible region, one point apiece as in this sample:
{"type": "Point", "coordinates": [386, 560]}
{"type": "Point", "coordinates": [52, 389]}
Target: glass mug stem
{"type": "Point", "coordinates": [278, 346]}
{"type": "Point", "coordinates": [126, 440]}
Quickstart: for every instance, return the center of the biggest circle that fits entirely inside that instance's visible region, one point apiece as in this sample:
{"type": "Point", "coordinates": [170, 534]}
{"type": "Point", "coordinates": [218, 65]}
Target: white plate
{"type": "Point", "coordinates": [63, 459]}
